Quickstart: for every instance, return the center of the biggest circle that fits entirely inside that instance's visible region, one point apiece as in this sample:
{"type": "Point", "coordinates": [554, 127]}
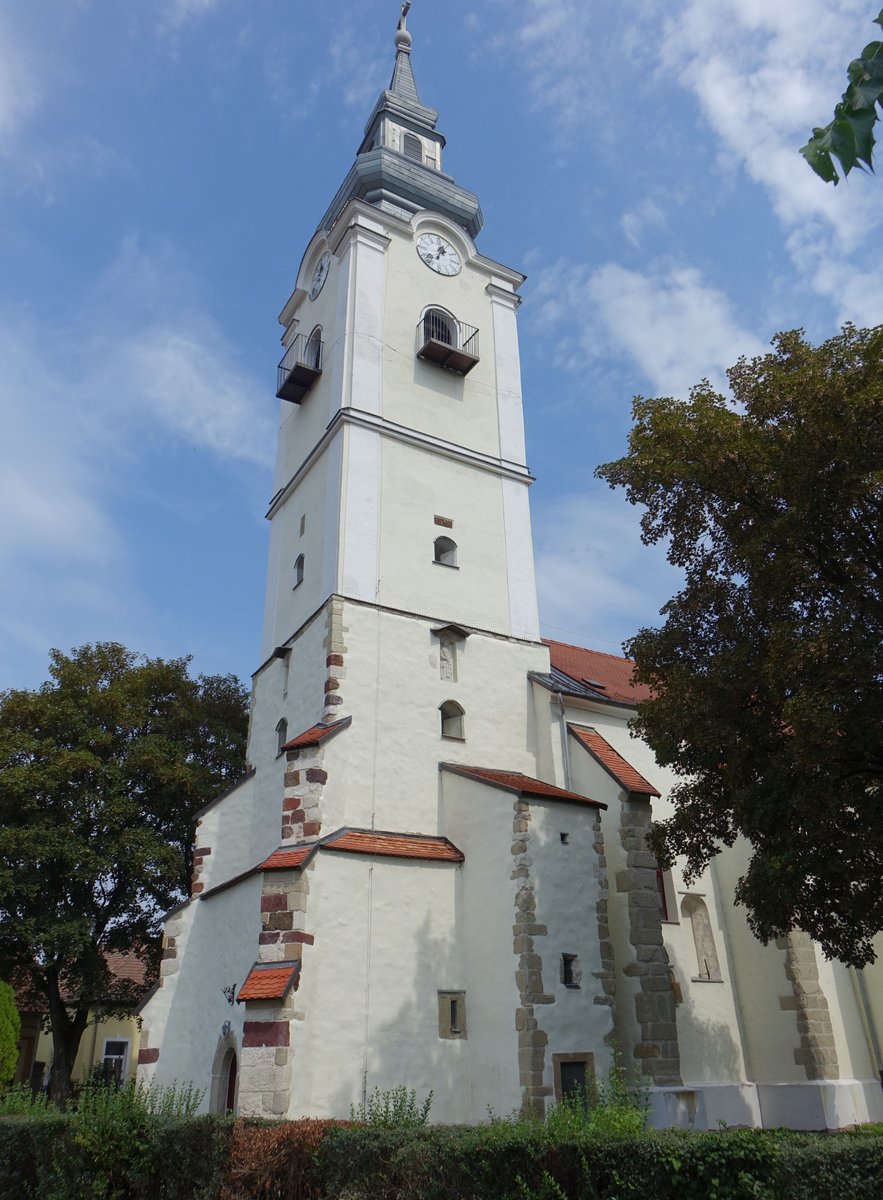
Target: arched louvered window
{"type": "Point", "coordinates": [412, 147]}
{"type": "Point", "coordinates": [440, 326]}
{"type": "Point", "coordinates": [445, 552]}
{"type": "Point", "coordinates": [298, 571]}
{"type": "Point", "coordinates": [452, 720]}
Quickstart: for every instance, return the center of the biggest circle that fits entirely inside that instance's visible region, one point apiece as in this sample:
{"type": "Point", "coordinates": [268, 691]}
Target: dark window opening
{"type": "Point", "coordinates": [452, 719]}
{"type": "Point", "coordinates": [570, 972]}
{"type": "Point", "coordinates": [444, 551]}
{"type": "Point", "coordinates": [573, 1082]}
{"type": "Point", "coordinates": [660, 887]}
{"type": "Point", "coordinates": [565, 839]}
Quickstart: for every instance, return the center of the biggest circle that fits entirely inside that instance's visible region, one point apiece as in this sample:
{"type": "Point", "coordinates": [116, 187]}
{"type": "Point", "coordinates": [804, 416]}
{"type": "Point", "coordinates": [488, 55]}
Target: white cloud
{"type": "Point", "coordinates": [181, 11]}
{"type": "Point", "coordinates": [19, 92]}
{"type": "Point", "coordinates": [673, 325]}
{"type": "Point", "coordinates": [141, 368]}
{"type": "Point", "coordinates": [597, 582]}
{"type": "Point", "coordinates": [642, 217]}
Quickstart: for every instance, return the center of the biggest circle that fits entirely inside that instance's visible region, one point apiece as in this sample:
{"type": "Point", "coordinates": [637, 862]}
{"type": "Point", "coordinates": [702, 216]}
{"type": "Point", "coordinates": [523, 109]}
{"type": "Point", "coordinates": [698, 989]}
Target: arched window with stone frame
{"type": "Point", "coordinates": [708, 966]}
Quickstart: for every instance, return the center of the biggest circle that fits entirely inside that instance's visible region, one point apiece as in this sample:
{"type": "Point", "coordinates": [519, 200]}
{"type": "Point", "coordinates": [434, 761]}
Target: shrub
{"type": "Point", "coordinates": [272, 1161]}
{"type": "Point", "coordinates": [395, 1109]}
{"type": "Point", "coordinates": [10, 1027]}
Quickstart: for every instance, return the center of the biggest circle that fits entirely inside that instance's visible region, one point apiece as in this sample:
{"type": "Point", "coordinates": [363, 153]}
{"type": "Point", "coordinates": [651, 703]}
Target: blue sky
{"type": "Point", "coordinates": [163, 164]}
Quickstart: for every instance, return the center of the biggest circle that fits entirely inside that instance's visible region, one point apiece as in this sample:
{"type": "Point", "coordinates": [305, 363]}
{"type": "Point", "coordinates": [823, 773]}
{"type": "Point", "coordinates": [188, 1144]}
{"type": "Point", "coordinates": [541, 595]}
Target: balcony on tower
{"type": "Point", "coordinates": [300, 367]}
{"type": "Point", "coordinates": [442, 339]}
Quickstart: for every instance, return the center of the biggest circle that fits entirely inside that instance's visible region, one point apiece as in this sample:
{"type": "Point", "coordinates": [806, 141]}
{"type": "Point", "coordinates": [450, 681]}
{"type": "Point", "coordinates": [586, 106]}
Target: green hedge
{"type": "Point", "coordinates": [208, 1158]}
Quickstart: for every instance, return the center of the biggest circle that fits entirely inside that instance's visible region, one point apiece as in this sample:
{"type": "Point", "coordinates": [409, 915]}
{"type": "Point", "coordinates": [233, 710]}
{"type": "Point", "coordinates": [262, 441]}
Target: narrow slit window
{"type": "Point", "coordinates": [281, 736]}
{"type": "Point", "coordinates": [452, 720]}
{"type": "Point", "coordinates": [455, 1016]}
{"type": "Point", "coordinates": [570, 972]}
{"type": "Point", "coordinates": [565, 839]}
{"type": "Point", "coordinates": [445, 552]}
{"type": "Point", "coordinates": [298, 571]}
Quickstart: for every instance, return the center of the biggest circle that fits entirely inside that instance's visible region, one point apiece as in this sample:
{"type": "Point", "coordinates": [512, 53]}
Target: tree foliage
{"type": "Point", "coordinates": [850, 136]}
{"type": "Point", "coordinates": [767, 673]}
{"type": "Point", "coordinates": [10, 1027]}
{"type": "Point", "coordinates": [101, 771]}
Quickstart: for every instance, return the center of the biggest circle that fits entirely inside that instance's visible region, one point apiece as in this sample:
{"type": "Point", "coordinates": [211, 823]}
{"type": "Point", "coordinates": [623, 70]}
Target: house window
{"type": "Point", "coordinates": [445, 552]}
{"type": "Point", "coordinates": [298, 571]}
{"type": "Point", "coordinates": [452, 720]}
{"type": "Point", "coordinates": [412, 147]}
{"type": "Point", "coordinates": [573, 1075]}
{"type": "Point", "coordinates": [708, 966]}
{"type": "Point", "coordinates": [281, 736]}
{"type": "Point", "coordinates": [452, 1014]}
{"type": "Point", "coordinates": [116, 1060]}
{"type": "Point", "coordinates": [440, 326]}
{"type": "Point", "coordinates": [571, 975]}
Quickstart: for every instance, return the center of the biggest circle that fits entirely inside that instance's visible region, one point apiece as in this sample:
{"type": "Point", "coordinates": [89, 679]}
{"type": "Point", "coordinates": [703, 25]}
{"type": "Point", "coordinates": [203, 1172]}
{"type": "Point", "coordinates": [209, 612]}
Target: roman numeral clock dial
{"type": "Point", "coordinates": [439, 255]}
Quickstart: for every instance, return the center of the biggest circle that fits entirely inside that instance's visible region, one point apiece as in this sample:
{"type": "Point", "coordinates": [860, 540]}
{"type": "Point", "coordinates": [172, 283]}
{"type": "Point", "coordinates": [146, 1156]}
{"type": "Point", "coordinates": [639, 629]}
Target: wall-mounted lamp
{"type": "Point", "coordinates": [229, 993]}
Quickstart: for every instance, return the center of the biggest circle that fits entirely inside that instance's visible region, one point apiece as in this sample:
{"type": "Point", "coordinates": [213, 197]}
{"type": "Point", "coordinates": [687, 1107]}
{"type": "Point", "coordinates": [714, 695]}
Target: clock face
{"type": "Point", "coordinates": [320, 275]}
{"type": "Point", "coordinates": [438, 254]}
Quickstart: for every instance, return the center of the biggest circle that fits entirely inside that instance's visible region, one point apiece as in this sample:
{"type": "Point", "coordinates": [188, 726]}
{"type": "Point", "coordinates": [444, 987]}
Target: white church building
{"type": "Point", "coordinates": [434, 872]}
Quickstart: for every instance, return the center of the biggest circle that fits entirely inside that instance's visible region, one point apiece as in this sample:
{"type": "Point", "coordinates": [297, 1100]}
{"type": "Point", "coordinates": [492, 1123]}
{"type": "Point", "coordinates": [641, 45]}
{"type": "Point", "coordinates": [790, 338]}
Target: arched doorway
{"type": "Point", "coordinates": [228, 1072]}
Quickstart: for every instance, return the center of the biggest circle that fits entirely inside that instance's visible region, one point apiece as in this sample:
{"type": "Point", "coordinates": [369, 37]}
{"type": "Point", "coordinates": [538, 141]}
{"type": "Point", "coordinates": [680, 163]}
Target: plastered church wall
{"type": "Point", "coordinates": [388, 943]}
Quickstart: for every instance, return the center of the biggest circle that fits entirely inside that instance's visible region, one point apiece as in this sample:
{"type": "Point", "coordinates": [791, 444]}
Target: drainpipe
{"type": "Point", "coordinates": [870, 1023]}
{"type": "Point", "coordinates": [565, 743]}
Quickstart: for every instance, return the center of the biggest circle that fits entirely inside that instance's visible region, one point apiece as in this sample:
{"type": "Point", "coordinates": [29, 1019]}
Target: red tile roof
{"type": "Point", "coordinates": [514, 781]}
{"type": "Point", "coordinates": [316, 734]}
{"type": "Point", "coordinates": [612, 761]}
{"type": "Point", "coordinates": [286, 859]}
{"type": "Point", "coordinates": [592, 666]}
{"type": "Point", "coordinates": [269, 981]}
{"type": "Point", "coordinates": [393, 845]}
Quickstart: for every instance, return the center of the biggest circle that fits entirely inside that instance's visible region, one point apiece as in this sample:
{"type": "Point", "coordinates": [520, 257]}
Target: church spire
{"type": "Point", "coordinates": [403, 83]}
{"type": "Point", "coordinates": [399, 163]}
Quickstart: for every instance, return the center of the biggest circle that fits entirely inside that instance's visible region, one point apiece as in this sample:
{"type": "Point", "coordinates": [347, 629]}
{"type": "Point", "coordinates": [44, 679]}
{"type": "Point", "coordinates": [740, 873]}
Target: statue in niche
{"type": "Point", "coordinates": [447, 661]}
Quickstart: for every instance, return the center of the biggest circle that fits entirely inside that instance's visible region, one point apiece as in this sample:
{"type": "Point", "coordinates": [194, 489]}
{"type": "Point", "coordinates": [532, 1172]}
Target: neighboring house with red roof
{"type": "Point", "coordinates": [436, 873]}
{"type": "Point", "coordinates": [110, 1043]}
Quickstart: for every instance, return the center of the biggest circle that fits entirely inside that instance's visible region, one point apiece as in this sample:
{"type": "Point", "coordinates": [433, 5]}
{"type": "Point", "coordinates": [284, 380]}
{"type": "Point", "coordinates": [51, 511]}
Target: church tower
{"type": "Point", "coordinates": [366, 898]}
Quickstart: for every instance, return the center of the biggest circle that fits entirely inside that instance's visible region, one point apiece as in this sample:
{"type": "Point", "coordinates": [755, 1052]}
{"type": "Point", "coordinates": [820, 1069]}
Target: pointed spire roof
{"type": "Point", "coordinates": [383, 174]}
{"type": "Point", "coordinates": [403, 83]}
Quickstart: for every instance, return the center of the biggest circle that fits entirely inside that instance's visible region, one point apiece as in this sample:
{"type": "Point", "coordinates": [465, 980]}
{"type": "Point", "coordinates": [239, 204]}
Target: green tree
{"type": "Point", "coordinates": [101, 771]}
{"type": "Point", "coordinates": [10, 1027]}
{"type": "Point", "coordinates": [767, 673]}
{"type": "Point", "coordinates": [850, 136]}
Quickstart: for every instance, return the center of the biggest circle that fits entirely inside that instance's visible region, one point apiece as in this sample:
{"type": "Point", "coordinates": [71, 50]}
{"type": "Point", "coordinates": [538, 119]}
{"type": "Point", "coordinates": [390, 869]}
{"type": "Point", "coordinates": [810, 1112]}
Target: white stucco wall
{"type": "Point", "coordinates": [216, 943]}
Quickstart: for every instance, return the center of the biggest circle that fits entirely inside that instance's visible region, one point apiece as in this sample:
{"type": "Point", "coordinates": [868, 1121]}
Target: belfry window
{"type": "Point", "coordinates": [452, 720]}
{"type": "Point", "coordinates": [298, 571]}
{"type": "Point", "coordinates": [444, 340]}
{"type": "Point", "coordinates": [412, 147]}
{"type": "Point", "coordinates": [445, 552]}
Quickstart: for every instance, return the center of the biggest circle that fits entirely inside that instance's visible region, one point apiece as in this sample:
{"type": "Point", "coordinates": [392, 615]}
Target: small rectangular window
{"type": "Point", "coordinates": [573, 1076]}
{"type": "Point", "coordinates": [303, 523]}
{"type": "Point", "coordinates": [452, 1015]}
{"type": "Point", "coordinates": [565, 839]}
{"type": "Point", "coordinates": [116, 1054]}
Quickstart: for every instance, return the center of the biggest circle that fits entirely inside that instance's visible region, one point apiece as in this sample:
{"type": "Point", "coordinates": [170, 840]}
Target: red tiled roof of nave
{"type": "Point", "coordinates": [515, 781]}
{"type": "Point", "coordinates": [614, 672]}
{"type": "Point", "coordinates": [394, 845]}
{"type": "Point", "coordinates": [269, 982]}
{"type": "Point", "coordinates": [612, 761]}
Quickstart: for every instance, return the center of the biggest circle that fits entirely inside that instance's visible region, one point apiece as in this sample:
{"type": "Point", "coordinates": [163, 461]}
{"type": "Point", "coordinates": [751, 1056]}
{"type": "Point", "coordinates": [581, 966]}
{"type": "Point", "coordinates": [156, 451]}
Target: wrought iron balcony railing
{"type": "Point", "coordinates": [300, 367]}
{"type": "Point", "coordinates": [450, 343]}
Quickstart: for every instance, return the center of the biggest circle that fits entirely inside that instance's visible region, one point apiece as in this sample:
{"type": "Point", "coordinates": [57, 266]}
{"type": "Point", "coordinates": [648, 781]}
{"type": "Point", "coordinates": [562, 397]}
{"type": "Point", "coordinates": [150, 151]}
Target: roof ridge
{"type": "Point", "coordinates": [587, 650]}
